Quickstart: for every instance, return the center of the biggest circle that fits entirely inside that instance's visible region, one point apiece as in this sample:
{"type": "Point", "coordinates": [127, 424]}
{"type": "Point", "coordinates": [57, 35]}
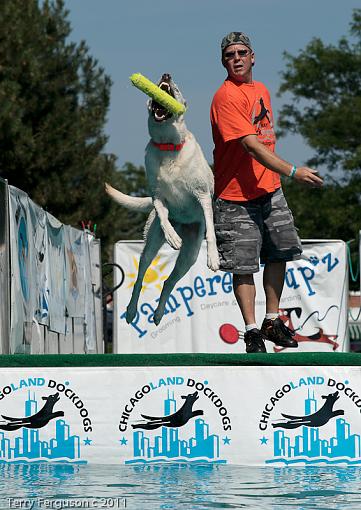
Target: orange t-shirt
{"type": "Point", "coordinates": [240, 109]}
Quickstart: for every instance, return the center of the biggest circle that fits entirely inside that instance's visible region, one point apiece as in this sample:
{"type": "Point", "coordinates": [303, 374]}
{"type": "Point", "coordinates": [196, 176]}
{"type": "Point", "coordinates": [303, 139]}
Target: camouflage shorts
{"type": "Point", "coordinates": [260, 229]}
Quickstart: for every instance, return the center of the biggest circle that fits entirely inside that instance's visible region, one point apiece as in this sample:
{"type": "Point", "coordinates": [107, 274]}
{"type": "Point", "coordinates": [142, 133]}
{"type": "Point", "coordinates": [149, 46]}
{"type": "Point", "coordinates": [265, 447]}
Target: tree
{"type": "Point", "coordinates": [325, 84]}
{"type": "Point", "coordinates": [324, 213]}
{"type": "Point", "coordinates": [54, 99]}
{"type": "Point", "coordinates": [330, 212]}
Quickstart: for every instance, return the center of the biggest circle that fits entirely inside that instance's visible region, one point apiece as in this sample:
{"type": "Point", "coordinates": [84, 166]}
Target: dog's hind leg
{"type": "Point", "coordinates": [212, 252]}
{"type": "Point", "coordinates": [192, 235]}
{"type": "Point", "coordinates": [153, 241]}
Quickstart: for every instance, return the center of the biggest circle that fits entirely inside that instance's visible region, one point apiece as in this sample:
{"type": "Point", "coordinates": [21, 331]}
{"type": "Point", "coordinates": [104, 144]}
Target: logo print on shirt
{"type": "Point", "coordinates": [264, 129]}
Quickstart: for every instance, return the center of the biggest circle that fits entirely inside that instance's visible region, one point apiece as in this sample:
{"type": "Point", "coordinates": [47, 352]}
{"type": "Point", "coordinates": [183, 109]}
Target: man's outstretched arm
{"type": "Point", "coordinates": [270, 160]}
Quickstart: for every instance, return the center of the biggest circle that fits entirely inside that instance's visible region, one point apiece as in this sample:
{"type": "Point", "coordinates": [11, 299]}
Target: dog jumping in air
{"type": "Point", "coordinates": [181, 186]}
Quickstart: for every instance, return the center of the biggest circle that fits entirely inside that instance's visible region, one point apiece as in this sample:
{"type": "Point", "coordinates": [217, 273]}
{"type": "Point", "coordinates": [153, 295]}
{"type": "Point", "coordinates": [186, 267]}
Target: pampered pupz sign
{"type": "Point", "coordinates": [201, 314]}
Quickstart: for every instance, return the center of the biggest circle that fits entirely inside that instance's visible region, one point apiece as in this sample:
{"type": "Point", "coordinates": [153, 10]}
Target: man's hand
{"type": "Point", "coordinates": [308, 176]}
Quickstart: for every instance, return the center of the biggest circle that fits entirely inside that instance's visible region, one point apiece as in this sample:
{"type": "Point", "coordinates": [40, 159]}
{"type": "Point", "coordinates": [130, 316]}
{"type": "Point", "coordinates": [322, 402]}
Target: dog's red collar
{"type": "Point", "coordinates": [168, 146]}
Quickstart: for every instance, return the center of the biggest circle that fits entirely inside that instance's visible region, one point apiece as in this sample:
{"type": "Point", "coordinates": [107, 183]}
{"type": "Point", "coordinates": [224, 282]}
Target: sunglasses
{"type": "Point", "coordinates": [229, 55]}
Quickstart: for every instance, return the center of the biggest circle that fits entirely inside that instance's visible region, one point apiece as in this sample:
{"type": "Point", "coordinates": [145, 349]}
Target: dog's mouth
{"type": "Point", "coordinates": [158, 111]}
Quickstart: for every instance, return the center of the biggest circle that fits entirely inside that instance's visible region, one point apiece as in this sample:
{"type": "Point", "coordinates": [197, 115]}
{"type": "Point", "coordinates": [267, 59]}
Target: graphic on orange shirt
{"type": "Point", "coordinates": [263, 122]}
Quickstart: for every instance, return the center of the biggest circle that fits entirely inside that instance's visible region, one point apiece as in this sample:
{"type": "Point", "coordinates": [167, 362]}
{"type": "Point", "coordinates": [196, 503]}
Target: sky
{"type": "Point", "coordinates": [183, 38]}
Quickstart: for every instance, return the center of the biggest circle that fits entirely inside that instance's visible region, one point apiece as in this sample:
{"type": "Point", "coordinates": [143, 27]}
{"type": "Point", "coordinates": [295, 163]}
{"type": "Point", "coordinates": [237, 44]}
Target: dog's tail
{"type": "Point", "coordinates": [141, 204]}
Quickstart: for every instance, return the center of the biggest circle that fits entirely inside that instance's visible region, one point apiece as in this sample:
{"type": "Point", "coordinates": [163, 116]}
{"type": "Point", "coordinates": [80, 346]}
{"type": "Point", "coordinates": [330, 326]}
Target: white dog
{"type": "Point", "coordinates": [181, 186]}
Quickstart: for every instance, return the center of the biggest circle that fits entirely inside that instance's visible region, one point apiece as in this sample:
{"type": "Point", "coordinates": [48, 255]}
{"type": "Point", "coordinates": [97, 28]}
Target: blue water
{"type": "Point", "coordinates": [180, 486]}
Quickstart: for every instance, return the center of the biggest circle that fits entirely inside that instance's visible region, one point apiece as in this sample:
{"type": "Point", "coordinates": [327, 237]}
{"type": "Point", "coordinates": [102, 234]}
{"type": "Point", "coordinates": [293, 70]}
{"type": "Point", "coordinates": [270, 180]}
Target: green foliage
{"type": "Point", "coordinates": [330, 212]}
{"type": "Point", "coordinates": [325, 84]}
{"type": "Point", "coordinates": [54, 99]}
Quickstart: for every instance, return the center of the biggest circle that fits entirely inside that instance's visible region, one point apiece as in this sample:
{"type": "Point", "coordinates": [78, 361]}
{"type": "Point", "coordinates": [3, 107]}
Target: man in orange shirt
{"type": "Point", "coordinates": [251, 216]}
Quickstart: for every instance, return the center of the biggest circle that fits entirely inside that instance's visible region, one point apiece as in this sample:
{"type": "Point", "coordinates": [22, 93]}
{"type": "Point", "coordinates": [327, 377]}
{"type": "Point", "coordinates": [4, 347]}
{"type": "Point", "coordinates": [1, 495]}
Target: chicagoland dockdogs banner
{"type": "Point", "coordinates": [244, 415]}
{"type": "Point", "coordinates": [202, 314]}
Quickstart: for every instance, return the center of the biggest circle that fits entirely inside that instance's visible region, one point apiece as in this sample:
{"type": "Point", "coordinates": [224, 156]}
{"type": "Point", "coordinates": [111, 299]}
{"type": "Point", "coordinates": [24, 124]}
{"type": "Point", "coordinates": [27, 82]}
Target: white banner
{"type": "Point", "coordinates": [244, 415]}
{"type": "Point", "coordinates": [40, 263]}
{"type": "Point", "coordinates": [22, 300]}
{"type": "Point", "coordinates": [90, 319]}
{"type": "Point", "coordinates": [57, 291]}
{"type": "Point", "coordinates": [202, 314]}
{"type": "Point", "coordinates": [76, 249]}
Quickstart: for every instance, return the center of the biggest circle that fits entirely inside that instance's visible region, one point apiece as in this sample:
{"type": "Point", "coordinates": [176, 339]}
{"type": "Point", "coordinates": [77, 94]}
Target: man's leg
{"type": "Point", "coordinates": [239, 244]}
{"type": "Point", "coordinates": [280, 243]}
{"type": "Point", "coordinates": [245, 292]}
{"type": "Point", "coordinates": [273, 327]}
{"type": "Point", "coordinates": [273, 280]}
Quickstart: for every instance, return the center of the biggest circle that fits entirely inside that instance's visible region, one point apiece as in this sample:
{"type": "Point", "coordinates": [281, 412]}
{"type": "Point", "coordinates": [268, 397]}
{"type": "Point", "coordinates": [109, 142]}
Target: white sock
{"type": "Point", "coordinates": [271, 316]}
{"type": "Point", "coordinates": [251, 326]}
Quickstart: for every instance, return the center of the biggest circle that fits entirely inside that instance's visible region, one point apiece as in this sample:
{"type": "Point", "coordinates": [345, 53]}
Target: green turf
{"type": "Point", "coordinates": [156, 360]}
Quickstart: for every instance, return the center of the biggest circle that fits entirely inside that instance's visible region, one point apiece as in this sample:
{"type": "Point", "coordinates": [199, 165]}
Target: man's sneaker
{"type": "Point", "coordinates": [278, 333]}
{"type": "Point", "coordinates": [254, 341]}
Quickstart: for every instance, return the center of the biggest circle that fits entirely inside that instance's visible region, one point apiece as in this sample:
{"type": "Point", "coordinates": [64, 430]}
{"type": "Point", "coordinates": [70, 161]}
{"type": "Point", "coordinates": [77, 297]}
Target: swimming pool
{"type": "Point", "coordinates": [178, 486]}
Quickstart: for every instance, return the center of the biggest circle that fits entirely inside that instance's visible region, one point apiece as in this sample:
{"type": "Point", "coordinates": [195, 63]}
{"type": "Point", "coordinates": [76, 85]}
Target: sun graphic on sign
{"type": "Point", "coordinates": [152, 276]}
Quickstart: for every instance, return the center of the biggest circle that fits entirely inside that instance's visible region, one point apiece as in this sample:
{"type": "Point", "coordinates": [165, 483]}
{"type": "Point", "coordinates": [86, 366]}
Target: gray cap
{"type": "Point", "coordinates": [235, 38]}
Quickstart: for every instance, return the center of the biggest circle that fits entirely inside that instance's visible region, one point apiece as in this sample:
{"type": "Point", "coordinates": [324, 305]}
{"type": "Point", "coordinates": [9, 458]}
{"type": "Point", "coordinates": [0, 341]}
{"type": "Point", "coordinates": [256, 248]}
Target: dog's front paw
{"type": "Point", "coordinates": [157, 317]}
{"type": "Point", "coordinates": [213, 260]}
{"type": "Point", "coordinates": [173, 239]}
{"type": "Point", "coordinates": [131, 313]}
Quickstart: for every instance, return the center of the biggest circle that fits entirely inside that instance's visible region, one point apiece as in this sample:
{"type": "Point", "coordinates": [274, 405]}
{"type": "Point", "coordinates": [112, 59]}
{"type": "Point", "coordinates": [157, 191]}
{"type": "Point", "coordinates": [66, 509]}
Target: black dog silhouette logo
{"type": "Point", "coordinates": [177, 419]}
{"type": "Point", "coordinates": [37, 420]}
{"type": "Point", "coordinates": [317, 419]}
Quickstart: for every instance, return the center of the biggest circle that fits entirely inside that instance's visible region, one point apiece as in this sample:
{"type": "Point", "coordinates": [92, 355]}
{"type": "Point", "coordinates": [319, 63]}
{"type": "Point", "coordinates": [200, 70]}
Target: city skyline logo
{"type": "Point", "coordinates": [180, 432]}
{"type": "Point", "coordinates": [42, 433]}
{"type": "Point", "coordinates": [319, 435]}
